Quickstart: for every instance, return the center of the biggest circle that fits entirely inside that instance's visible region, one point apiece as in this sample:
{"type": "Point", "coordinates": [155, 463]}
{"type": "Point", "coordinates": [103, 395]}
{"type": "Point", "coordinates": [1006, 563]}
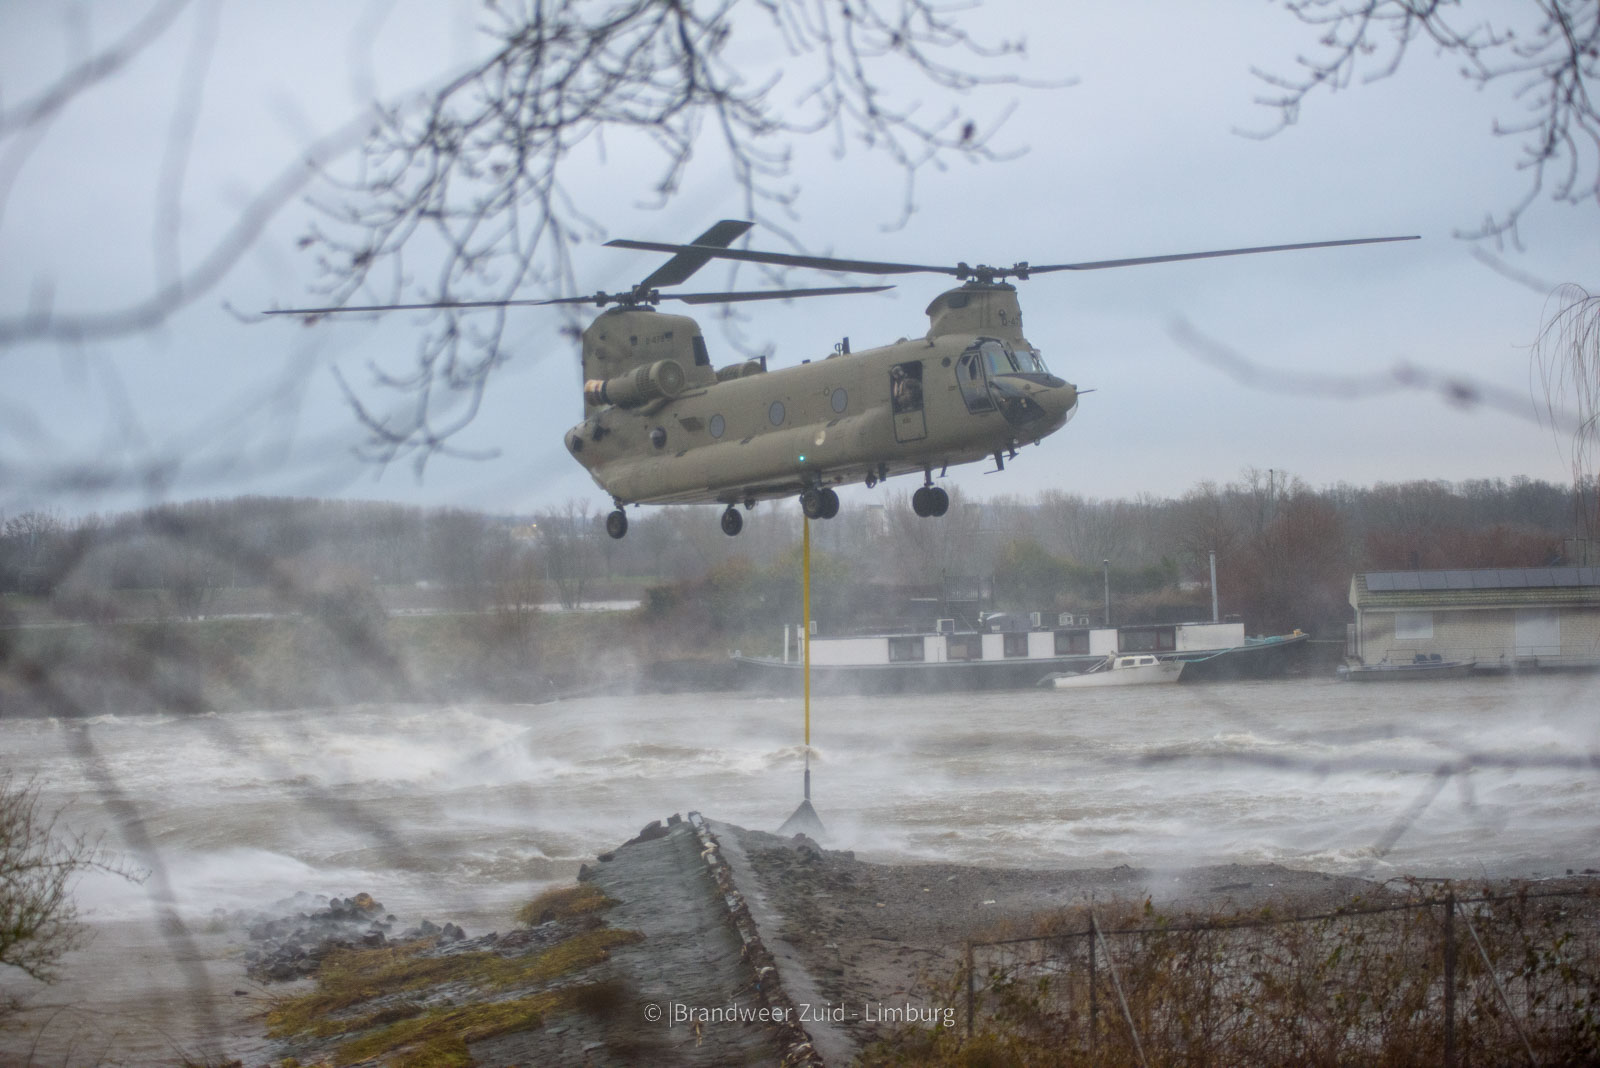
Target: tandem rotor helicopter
{"type": "Point", "coordinates": [663, 426]}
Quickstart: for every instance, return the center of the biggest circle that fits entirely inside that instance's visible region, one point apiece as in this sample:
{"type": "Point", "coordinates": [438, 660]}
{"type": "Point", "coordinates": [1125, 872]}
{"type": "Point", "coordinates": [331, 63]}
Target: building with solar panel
{"type": "Point", "coordinates": [1498, 619]}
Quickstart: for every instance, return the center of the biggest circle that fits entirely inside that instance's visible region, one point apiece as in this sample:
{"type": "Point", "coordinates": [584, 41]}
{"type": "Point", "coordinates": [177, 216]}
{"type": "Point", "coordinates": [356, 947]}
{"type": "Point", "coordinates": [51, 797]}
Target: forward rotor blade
{"type": "Point", "coordinates": [678, 269]}
{"type": "Point", "coordinates": [787, 259]}
{"type": "Point", "coordinates": [424, 307]}
{"type": "Point", "coordinates": [771, 294]}
{"type": "Point", "coordinates": [599, 299]}
{"type": "Point", "coordinates": [1096, 265]}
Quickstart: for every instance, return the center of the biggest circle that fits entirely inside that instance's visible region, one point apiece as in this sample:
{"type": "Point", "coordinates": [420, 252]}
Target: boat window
{"type": "Point", "coordinates": [1016, 644]}
{"type": "Point", "coordinates": [1148, 639]}
{"type": "Point", "coordinates": [1072, 642]}
{"type": "Point", "coordinates": [964, 647]}
{"type": "Point", "coordinates": [903, 649]}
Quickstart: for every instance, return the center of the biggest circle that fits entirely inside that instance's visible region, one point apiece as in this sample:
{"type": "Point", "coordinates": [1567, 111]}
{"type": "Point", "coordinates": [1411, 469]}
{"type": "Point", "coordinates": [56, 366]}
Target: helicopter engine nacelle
{"type": "Point", "coordinates": [661, 380]}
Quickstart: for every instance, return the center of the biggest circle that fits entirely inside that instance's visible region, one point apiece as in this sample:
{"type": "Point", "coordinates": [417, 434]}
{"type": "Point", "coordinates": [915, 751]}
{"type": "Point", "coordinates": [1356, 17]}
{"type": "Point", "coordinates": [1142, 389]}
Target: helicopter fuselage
{"type": "Point", "coordinates": [973, 387]}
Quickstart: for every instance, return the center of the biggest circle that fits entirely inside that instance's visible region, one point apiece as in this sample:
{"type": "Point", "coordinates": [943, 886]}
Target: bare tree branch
{"type": "Point", "coordinates": [1547, 51]}
{"type": "Point", "coordinates": [471, 190]}
{"type": "Point", "coordinates": [1567, 355]}
{"type": "Point", "coordinates": [1460, 390]}
{"type": "Point", "coordinates": [39, 862]}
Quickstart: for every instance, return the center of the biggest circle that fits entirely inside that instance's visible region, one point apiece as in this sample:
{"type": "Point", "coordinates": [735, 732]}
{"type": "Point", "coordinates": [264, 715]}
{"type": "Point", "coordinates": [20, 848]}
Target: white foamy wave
{"type": "Point", "coordinates": [230, 879]}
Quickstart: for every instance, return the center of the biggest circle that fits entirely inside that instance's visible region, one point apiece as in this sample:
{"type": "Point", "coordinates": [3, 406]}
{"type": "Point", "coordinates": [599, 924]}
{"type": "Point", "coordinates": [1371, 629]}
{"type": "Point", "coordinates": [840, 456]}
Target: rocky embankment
{"type": "Point", "coordinates": [653, 958]}
{"type": "Point", "coordinates": [293, 944]}
{"type": "Point", "coordinates": [696, 943]}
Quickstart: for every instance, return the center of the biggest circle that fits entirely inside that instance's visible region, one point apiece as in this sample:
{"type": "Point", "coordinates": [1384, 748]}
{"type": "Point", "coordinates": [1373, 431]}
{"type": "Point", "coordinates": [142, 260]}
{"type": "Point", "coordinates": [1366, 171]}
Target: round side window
{"type": "Point", "coordinates": [716, 426]}
{"type": "Point", "coordinates": [838, 401]}
{"type": "Point", "coordinates": [775, 413]}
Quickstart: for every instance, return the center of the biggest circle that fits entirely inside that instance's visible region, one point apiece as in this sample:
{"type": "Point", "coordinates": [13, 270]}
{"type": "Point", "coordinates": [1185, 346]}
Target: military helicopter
{"type": "Point", "coordinates": [663, 426]}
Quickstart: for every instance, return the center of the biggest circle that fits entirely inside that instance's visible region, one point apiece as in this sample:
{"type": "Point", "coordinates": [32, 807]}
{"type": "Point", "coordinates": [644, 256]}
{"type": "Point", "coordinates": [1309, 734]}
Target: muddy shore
{"type": "Point", "coordinates": [864, 934]}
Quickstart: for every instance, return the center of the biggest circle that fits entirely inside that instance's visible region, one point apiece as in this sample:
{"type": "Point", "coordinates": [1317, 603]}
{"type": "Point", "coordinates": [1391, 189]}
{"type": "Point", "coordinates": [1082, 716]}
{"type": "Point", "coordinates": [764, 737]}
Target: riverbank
{"type": "Point", "coordinates": [703, 943]}
{"type": "Point", "coordinates": [722, 945]}
{"type": "Point", "coordinates": [694, 943]}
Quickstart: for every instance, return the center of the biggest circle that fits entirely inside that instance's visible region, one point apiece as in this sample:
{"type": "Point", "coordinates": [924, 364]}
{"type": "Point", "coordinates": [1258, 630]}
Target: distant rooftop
{"type": "Point", "coordinates": [1490, 578]}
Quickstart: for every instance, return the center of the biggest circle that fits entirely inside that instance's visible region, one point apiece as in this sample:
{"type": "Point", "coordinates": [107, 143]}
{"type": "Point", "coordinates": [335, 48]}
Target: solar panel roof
{"type": "Point", "coordinates": [1492, 578]}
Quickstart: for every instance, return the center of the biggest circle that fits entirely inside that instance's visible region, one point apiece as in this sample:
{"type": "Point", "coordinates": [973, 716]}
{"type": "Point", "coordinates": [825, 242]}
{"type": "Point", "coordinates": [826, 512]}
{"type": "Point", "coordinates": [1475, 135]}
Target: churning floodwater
{"type": "Point", "coordinates": [461, 812]}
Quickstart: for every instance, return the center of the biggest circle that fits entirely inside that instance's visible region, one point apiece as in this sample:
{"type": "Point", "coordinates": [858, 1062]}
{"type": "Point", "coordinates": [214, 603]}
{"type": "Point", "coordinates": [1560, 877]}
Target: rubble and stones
{"type": "Point", "coordinates": [292, 940]}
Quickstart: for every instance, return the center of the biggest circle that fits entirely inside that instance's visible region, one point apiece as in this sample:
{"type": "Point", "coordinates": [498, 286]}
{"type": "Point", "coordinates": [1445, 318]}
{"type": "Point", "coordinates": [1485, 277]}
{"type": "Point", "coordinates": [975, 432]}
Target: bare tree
{"type": "Point", "coordinates": [476, 182]}
{"type": "Point", "coordinates": [567, 546]}
{"type": "Point", "coordinates": [1206, 520]}
{"type": "Point", "coordinates": [39, 862]}
{"type": "Point", "coordinates": [1546, 51]}
{"type": "Point", "coordinates": [927, 553]}
{"type": "Point", "coordinates": [1567, 353]}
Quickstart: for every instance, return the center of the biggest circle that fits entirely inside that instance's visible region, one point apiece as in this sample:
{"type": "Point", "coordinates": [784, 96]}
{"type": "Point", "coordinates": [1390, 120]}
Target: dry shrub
{"type": "Point", "coordinates": [1360, 986]}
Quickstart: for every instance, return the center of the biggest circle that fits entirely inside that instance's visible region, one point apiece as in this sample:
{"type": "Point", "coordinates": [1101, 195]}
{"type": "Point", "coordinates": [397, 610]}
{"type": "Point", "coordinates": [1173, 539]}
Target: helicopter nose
{"type": "Point", "coordinates": [1038, 403]}
{"type": "Point", "coordinates": [1061, 401]}
{"type": "Point", "coordinates": [1058, 398]}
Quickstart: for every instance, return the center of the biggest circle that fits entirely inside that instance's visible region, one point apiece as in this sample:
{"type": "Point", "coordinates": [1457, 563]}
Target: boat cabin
{"type": "Point", "coordinates": [1062, 643]}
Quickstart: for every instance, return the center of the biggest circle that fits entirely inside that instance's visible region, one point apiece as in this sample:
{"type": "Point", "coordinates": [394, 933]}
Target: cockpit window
{"type": "Point", "coordinates": [997, 359]}
{"type": "Point", "coordinates": [1030, 360]}
{"type": "Point", "coordinates": [974, 390]}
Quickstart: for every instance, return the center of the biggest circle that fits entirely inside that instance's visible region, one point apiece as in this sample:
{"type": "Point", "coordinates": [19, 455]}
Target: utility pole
{"type": "Point", "coordinates": [1106, 566]}
{"type": "Point", "coordinates": [1213, 554]}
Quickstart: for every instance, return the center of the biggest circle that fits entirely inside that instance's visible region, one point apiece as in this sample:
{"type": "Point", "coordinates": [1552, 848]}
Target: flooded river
{"type": "Point", "coordinates": [461, 812]}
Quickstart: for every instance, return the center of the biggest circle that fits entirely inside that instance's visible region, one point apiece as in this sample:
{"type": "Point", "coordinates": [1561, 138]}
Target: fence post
{"type": "Point", "coordinates": [1450, 980]}
{"type": "Point", "coordinates": [1094, 1006]}
{"type": "Point", "coordinates": [971, 993]}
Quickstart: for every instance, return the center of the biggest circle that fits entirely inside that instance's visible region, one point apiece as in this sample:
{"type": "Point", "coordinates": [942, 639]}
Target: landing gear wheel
{"type": "Point", "coordinates": [617, 523]}
{"type": "Point", "coordinates": [938, 501]}
{"type": "Point", "coordinates": [920, 503]}
{"type": "Point", "coordinates": [830, 503]}
{"type": "Point", "coordinates": [812, 503]}
{"type": "Point", "coordinates": [732, 522]}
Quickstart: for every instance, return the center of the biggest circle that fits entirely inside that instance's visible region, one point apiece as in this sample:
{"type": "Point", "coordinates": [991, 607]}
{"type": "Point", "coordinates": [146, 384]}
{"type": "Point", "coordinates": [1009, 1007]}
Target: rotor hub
{"type": "Point", "coordinates": [983, 274]}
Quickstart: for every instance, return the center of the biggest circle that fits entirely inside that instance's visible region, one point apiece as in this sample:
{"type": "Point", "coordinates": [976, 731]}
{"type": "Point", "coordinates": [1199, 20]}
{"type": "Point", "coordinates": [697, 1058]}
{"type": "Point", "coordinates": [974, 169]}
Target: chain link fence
{"type": "Point", "coordinates": [1489, 979]}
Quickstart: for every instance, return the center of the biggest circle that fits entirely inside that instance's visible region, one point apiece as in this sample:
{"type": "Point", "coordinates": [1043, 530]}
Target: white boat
{"type": "Point", "coordinates": [1139, 669]}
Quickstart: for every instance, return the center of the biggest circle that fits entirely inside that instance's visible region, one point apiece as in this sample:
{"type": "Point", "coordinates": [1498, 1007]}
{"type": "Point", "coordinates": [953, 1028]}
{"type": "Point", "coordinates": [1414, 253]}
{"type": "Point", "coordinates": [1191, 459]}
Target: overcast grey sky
{"type": "Point", "coordinates": [1139, 157]}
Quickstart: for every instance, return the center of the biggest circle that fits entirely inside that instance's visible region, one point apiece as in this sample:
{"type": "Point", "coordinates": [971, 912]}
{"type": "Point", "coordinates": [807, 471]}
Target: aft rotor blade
{"type": "Point", "coordinates": [1095, 265]}
{"type": "Point", "coordinates": [770, 294]}
{"type": "Point", "coordinates": [787, 259]}
{"type": "Point", "coordinates": [678, 269]}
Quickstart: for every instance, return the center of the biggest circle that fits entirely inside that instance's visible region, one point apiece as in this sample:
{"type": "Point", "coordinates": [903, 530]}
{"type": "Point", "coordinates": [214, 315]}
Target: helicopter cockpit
{"type": "Point", "coordinates": [995, 375]}
{"type": "Point", "coordinates": [1002, 359]}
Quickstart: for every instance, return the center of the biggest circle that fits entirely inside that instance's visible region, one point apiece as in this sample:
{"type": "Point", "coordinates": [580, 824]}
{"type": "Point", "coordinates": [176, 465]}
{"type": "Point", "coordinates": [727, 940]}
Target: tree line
{"type": "Point", "coordinates": [1284, 551]}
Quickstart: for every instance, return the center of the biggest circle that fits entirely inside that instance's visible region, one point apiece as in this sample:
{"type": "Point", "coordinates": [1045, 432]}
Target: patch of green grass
{"type": "Point", "coordinates": [564, 902]}
{"type": "Point", "coordinates": [438, 1038]}
{"type": "Point", "coordinates": [351, 977]}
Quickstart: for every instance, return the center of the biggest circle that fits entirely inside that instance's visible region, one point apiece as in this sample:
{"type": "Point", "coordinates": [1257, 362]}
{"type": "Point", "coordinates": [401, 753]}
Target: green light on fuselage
{"type": "Point", "coordinates": [802, 459]}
